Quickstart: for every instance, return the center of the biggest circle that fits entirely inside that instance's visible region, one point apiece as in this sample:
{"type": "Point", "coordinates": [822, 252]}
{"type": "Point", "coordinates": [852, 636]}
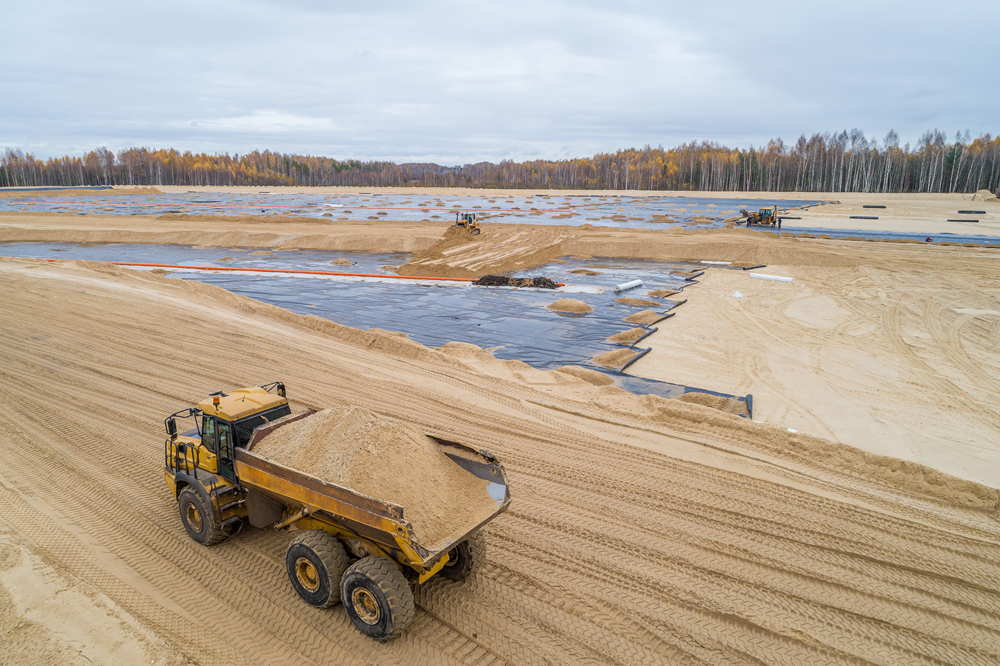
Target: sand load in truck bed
{"type": "Point", "coordinates": [388, 460]}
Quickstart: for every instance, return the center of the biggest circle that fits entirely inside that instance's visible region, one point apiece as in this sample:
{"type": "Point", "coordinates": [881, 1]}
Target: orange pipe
{"type": "Point", "coordinates": [279, 270]}
{"type": "Point", "coordinates": [283, 270]}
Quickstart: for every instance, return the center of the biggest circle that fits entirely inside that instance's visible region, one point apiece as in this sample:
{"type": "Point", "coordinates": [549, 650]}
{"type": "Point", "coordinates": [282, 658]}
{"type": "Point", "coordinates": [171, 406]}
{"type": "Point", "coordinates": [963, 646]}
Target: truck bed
{"type": "Point", "coordinates": [273, 487]}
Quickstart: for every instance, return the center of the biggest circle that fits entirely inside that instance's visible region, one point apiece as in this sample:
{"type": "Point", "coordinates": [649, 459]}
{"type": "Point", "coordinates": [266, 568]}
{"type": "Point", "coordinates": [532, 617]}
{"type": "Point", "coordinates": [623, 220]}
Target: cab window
{"type": "Point", "coordinates": [208, 433]}
{"type": "Point", "coordinates": [225, 447]}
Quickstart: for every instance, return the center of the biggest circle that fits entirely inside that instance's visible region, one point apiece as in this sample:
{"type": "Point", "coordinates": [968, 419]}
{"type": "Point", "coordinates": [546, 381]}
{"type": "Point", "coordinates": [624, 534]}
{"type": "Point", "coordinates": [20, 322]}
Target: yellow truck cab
{"type": "Point", "coordinates": [199, 466]}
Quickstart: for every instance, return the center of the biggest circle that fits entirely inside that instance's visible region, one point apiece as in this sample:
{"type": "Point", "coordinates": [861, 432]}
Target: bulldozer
{"type": "Point", "coordinates": [469, 221]}
{"type": "Point", "coordinates": [765, 217]}
{"type": "Point", "coordinates": [349, 547]}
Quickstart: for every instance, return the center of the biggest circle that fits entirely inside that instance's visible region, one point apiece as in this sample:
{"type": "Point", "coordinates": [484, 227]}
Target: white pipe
{"type": "Point", "coordinates": [778, 278]}
{"type": "Point", "coordinates": [628, 285]}
{"type": "Point", "coordinates": [720, 263]}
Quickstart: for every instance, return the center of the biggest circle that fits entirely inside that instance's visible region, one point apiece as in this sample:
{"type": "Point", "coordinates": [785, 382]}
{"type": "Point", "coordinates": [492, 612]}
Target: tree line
{"type": "Point", "coordinates": [829, 162]}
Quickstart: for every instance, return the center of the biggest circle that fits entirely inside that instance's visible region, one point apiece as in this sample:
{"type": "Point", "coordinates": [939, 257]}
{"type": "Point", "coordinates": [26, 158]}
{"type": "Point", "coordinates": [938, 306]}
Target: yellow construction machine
{"type": "Point", "coordinates": [348, 547]}
{"type": "Point", "coordinates": [469, 221]}
{"type": "Point", "coordinates": [765, 217]}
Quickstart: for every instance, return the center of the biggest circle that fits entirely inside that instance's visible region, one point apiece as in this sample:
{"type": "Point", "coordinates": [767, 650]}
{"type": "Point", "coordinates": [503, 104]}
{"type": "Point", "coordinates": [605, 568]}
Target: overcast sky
{"type": "Point", "coordinates": [461, 82]}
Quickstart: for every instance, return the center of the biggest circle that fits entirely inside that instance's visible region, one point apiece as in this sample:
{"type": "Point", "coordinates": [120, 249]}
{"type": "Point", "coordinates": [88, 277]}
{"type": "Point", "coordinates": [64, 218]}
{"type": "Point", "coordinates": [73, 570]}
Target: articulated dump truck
{"type": "Point", "coordinates": [348, 546]}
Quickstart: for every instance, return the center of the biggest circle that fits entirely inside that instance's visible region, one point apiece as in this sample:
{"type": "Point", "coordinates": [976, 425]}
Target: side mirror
{"type": "Point", "coordinates": [281, 389]}
{"type": "Point", "coordinates": [171, 427]}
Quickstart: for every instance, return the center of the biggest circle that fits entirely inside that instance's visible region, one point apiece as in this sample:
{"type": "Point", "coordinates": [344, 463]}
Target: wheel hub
{"type": "Point", "coordinates": [194, 517]}
{"type": "Point", "coordinates": [307, 574]}
{"type": "Point", "coordinates": [366, 606]}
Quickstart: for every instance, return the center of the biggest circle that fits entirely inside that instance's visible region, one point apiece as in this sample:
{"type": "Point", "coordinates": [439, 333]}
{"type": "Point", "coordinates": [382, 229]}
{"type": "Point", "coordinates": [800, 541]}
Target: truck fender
{"type": "Point", "coordinates": [183, 480]}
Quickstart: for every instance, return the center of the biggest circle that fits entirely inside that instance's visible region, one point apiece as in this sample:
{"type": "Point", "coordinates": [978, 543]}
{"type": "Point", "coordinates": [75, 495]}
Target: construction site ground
{"type": "Point", "coordinates": [642, 530]}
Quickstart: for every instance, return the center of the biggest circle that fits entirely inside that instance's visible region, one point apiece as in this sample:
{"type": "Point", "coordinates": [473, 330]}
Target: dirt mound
{"type": "Point", "coordinates": [386, 459]}
{"type": "Point", "coordinates": [499, 249]}
{"type": "Point", "coordinates": [570, 305]}
{"type": "Point", "coordinates": [614, 359]}
{"type": "Point", "coordinates": [662, 293]}
{"type": "Point", "coordinates": [505, 281]}
{"type": "Point", "coordinates": [645, 317]}
{"type": "Point", "coordinates": [466, 351]}
{"type": "Point", "coordinates": [342, 262]}
{"type": "Point", "coordinates": [584, 271]}
{"type": "Point", "coordinates": [591, 376]}
{"type": "Point", "coordinates": [723, 404]}
{"type": "Point", "coordinates": [638, 302]}
{"type": "Point", "coordinates": [628, 337]}
{"type": "Point", "coordinates": [262, 253]}
{"type": "Point", "coordinates": [984, 195]}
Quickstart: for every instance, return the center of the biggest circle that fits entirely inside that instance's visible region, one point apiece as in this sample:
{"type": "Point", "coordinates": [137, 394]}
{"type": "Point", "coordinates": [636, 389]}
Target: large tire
{"type": "Point", "coordinates": [377, 597]}
{"type": "Point", "coordinates": [198, 519]}
{"type": "Point", "coordinates": [316, 561]}
{"type": "Point", "coordinates": [465, 558]}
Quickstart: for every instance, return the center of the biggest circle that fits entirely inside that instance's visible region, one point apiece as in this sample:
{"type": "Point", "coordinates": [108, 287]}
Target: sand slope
{"type": "Point", "coordinates": [641, 530]}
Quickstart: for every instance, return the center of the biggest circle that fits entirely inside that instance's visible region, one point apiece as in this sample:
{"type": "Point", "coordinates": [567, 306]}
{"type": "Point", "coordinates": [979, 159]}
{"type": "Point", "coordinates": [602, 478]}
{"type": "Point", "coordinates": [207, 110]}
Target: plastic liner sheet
{"type": "Point", "coordinates": [608, 211]}
{"type": "Point", "coordinates": [882, 235]}
{"type": "Point", "coordinates": [512, 323]}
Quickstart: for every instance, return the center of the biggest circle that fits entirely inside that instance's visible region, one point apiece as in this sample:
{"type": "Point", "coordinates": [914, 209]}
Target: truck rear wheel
{"type": "Point", "coordinates": [316, 561]}
{"type": "Point", "coordinates": [377, 597]}
{"type": "Point", "coordinates": [198, 520]}
{"type": "Point", "coordinates": [465, 558]}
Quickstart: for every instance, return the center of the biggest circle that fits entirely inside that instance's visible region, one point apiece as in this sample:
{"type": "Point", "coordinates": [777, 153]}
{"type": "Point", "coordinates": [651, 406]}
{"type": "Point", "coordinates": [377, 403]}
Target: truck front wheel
{"type": "Point", "coordinates": [377, 597]}
{"type": "Point", "coordinates": [465, 558]}
{"type": "Point", "coordinates": [316, 561]}
{"type": "Point", "coordinates": [198, 520]}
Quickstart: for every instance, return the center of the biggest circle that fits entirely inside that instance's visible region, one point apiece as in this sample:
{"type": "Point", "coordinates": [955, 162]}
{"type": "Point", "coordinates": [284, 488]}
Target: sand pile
{"type": "Point", "coordinates": [628, 337]}
{"type": "Point", "coordinates": [614, 359]}
{"type": "Point", "coordinates": [662, 293]}
{"type": "Point", "coordinates": [723, 404]}
{"type": "Point", "coordinates": [638, 302]}
{"type": "Point", "coordinates": [984, 195]}
{"type": "Point", "coordinates": [383, 458]}
{"type": "Point", "coordinates": [342, 262]}
{"type": "Point", "coordinates": [584, 271]}
{"type": "Point", "coordinates": [570, 305]}
{"type": "Point", "coordinates": [592, 376]}
{"type": "Point", "coordinates": [645, 317]}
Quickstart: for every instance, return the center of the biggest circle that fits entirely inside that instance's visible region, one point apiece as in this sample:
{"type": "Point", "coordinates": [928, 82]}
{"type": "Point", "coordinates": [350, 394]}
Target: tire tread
{"type": "Point", "coordinates": [333, 555]}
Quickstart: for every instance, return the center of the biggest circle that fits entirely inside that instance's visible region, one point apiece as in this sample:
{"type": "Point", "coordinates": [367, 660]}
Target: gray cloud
{"type": "Point", "coordinates": [461, 82]}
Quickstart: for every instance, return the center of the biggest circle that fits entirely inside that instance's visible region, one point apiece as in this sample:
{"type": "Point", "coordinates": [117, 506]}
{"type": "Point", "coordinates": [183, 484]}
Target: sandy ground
{"type": "Point", "coordinates": [920, 213]}
{"type": "Point", "coordinates": [893, 359]}
{"type": "Point", "coordinates": [642, 530]}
